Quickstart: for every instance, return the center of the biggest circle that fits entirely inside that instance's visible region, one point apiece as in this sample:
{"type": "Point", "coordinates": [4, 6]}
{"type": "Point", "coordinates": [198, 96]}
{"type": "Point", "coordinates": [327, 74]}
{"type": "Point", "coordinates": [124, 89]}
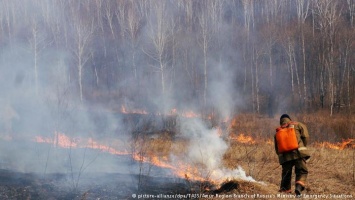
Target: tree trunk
{"type": "Point", "coordinates": [257, 86]}
{"type": "Point", "coordinates": [305, 100]}
{"type": "Point", "coordinates": [80, 72]}
{"type": "Point", "coordinates": [205, 72]}
{"type": "Point", "coordinates": [35, 49]}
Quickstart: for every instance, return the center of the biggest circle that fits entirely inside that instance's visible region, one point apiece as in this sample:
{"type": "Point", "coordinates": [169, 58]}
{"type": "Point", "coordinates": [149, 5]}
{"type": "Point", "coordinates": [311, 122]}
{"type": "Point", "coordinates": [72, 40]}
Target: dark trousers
{"type": "Point", "coordinates": [301, 172]}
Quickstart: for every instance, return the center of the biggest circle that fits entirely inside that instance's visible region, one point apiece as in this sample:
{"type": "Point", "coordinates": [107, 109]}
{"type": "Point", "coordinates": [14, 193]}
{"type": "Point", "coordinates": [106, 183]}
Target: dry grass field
{"type": "Point", "coordinates": [249, 145]}
{"type": "Point", "coordinates": [331, 170]}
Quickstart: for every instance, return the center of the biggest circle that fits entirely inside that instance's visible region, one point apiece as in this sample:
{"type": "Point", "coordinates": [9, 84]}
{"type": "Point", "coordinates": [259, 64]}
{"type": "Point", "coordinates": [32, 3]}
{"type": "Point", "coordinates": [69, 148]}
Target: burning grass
{"type": "Point", "coordinates": [331, 168]}
{"type": "Point", "coordinates": [249, 138]}
{"type": "Point", "coordinates": [345, 144]}
{"type": "Point", "coordinates": [331, 172]}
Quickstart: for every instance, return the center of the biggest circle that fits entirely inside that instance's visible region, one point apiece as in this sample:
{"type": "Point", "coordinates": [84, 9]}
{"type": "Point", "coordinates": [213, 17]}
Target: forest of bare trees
{"type": "Point", "coordinates": [263, 57]}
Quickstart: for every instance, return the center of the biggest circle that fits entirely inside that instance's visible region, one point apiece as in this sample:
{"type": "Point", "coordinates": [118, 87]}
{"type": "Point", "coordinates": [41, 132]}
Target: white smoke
{"type": "Point", "coordinates": [225, 174]}
{"type": "Point", "coordinates": [207, 148]}
{"type": "Point", "coordinates": [205, 145]}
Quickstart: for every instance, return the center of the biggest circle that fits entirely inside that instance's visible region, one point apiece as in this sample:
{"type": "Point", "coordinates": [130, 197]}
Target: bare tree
{"type": "Point", "coordinates": [257, 54]}
{"type": "Point", "coordinates": [120, 16]}
{"type": "Point", "coordinates": [216, 11]}
{"type": "Point", "coordinates": [160, 36]}
{"type": "Point", "coordinates": [302, 14]}
{"type": "Point", "coordinates": [7, 10]}
{"type": "Point", "coordinates": [133, 25]}
{"type": "Point", "coordinates": [318, 58]}
{"type": "Point", "coordinates": [204, 42]}
{"type": "Point", "coordinates": [351, 7]}
{"type": "Point", "coordinates": [187, 7]}
{"type": "Point", "coordinates": [347, 42]}
{"type": "Point", "coordinates": [109, 14]}
{"type": "Point", "coordinates": [248, 8]}
{"type": "Point", "coordinates": [58, 25]}
{"type": "Point", "coordinates": [328, 16]}
{"type": "Point", "coordinates": [98, 9]}
{"type": "Point", "coordinates": [269, 40]}
{"type": "Point", "coordinates": [83, 32]}
{"type": "Point", "coordinates": [38, 43]}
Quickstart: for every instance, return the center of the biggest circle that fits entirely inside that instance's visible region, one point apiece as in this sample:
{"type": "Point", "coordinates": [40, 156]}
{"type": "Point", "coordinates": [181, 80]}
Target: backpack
{"type": "Point", "coordinates": [286, 138]}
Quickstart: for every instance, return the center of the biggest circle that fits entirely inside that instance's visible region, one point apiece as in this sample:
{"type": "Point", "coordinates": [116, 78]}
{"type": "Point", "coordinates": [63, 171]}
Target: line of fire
{"type": "Point", "coordinates": [155, 149]}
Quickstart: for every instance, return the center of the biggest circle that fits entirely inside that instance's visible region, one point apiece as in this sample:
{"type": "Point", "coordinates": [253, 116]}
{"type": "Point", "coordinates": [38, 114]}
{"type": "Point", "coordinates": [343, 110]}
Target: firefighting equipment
{"type": "Point", "coordinates": [286, 138]}
{"type": "Point", "coordinates": [302, 139]}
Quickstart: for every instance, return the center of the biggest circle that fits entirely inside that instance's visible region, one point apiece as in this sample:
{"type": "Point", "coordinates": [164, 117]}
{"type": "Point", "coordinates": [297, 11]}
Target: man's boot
{"type": "Point", "coordinates": [299, 189]}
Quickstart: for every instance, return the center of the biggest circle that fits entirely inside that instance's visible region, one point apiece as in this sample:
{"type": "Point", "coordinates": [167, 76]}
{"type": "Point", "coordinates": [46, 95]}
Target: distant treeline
{"type": "Point", "coordinates": [264, 57]}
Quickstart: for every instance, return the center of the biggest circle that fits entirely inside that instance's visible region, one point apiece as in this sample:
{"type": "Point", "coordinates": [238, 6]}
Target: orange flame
{"type": "Point", "coordinates": [189, 172]}
{"type": "Point", "coordinates": [63, 141]}
{"type": "Point", "coordinates": [233, 123]}
{"type": "Point", "coordinates": [349, 143]}
{"type": "Point", "coordinates": [60, 139]}
{"type": "Point", "coordinates": [95, 145]}
{"type": "Point", "coordinates": [181, 170]}
{"type": "Point", "coordinates": [241, 138]}
{"type": "Point", "coordinates": [133, 111]}
{"type": "Point", "coordinates": [190, 114]}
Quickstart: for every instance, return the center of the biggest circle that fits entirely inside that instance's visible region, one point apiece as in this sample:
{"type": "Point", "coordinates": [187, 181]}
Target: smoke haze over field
{"type": "Point", "coordinates": [206, 149]}
{"type": "Point", "coordinates": [71, 67]}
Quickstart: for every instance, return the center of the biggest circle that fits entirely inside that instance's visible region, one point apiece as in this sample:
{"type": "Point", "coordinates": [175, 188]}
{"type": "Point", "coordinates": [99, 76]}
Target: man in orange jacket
{"type": "Point", "coordinates": [295, 157]}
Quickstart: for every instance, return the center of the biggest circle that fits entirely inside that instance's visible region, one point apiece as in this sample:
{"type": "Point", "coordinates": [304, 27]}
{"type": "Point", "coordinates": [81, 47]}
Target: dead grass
{"type": "Point", "coordinates": [330, 171]}
{"type": "Point", "coordinates": [258, 127]}
{"type": "Point", "coordinates": [160, 146]}
{"type": "Point", "coordinates": [323, 127]}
